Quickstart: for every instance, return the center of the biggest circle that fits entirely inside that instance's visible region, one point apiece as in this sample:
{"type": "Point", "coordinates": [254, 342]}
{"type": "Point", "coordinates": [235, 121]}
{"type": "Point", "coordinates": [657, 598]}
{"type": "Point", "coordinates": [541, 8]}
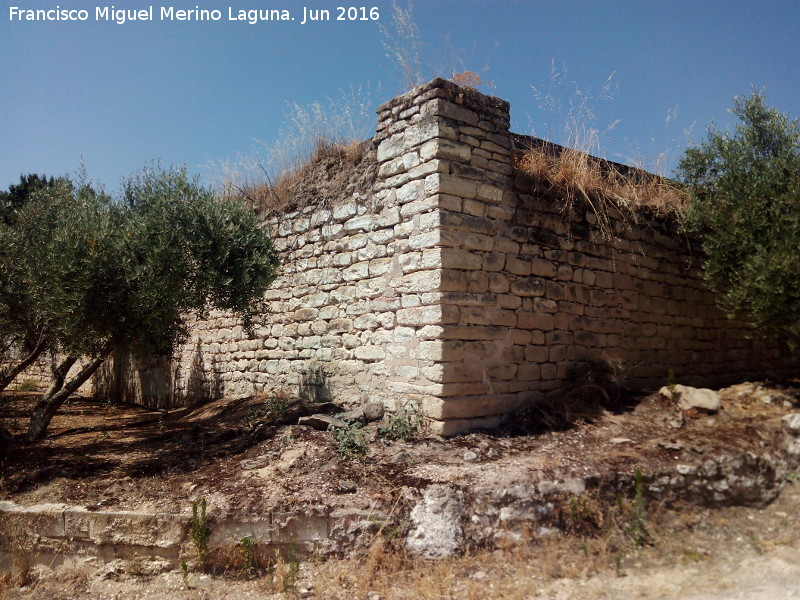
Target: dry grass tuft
{"type": "Point", "coordinates": [609, 190]}
{"type": "Point", "coordinates": [469, 80]}
{"type": "Point", "coordinates": [514, 572]}
{"type": "Point", "coordinates": [335, 163]}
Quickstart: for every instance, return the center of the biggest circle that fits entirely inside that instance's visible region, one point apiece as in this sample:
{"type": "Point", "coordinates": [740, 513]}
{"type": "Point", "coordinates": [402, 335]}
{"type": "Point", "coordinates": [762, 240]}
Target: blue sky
{"type": "Point", "coordinates": [194, 93]}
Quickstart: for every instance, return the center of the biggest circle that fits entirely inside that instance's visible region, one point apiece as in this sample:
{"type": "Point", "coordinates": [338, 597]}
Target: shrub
{"type": "Point", "coordinates": [403, 424]}
{"type": "Point", "coordinates": [745, 204]}
{"type": "Point", "coordinates": [165, 250]}
{"type": "Point", "coordinates": [351, 441]}
{"type": "Point", "coordinates": [200, 532]}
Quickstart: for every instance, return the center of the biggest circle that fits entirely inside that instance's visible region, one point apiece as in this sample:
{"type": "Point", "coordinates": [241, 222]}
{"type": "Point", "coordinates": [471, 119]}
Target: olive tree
{"type": "Point", "coordinates": [22, 333]}
{"type": "Point", "coordinates": [745, 205]}
{"type": "Point", "coordinates": [126, 273]}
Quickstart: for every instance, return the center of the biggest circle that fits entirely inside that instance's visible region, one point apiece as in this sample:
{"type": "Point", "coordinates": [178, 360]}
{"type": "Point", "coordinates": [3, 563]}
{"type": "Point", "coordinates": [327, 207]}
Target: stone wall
{"type": "Point", "coordinates": [39, 375]}
{"type": "Point", "coordinates": [459, 284]}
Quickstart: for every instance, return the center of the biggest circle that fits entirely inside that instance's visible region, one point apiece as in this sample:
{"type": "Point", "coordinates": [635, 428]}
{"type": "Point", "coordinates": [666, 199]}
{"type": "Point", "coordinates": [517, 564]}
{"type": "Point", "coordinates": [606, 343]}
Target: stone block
{"type": "Point", "coordinates": [470, 332]}
{"type": "Point", "coordinates": [516, 264]}
{"type": "Point", "coordinates": [465, 239]}
{"type": "Point", "coordinates": [306, 314]}
{"type": "Point", "coordinates": [427, 239]}
{"type": "Point", "coordinates": [455, 426]}
{"type": "Point", "coordinates": [369, 353]}
{"type": "Point", "coordinates": [410, 192]}
{"type": "Point", "coordinates": [356, 272]}
{"type": "Point", "coordinates": [439, 183]}
{"type": "Point", "coordinates": [445, 149]}
{"type": "Point", "coordinates": [473, 207]}
{"type": "Point", "coordinates": [489, 193]}
{"type": "Point", "coordinates": [543, 321]}
{"type": "Point", "coordinates": [305, 527]}
{"type": "Point", "coordinates": [455, 372]}
{"type": "Point", "coordinates": [475, 315]}
{"type": "Point", "coordinates": [460, 298]}
{"type": "Point", "coordinates": [428, 315]}
{"type": "Point", "coordinates": [493, 261]}
{"type": "Point", "coordinates": [391, 147]}
{"type": "Point", "coordinates": [439, 350]}
{"type": "Point", "coordinates": [543, 268]}
{"type": "Point", "coordinates": [528, 287]}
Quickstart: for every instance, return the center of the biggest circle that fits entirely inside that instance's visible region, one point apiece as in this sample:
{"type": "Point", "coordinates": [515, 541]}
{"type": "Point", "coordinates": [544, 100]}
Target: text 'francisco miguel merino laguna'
{"type": "Point", "coordinates": [170, 13]}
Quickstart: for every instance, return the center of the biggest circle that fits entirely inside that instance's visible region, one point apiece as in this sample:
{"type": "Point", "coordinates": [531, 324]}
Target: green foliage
{"type": "Point", "coordinates": [745, 203]}
{"type": "Point", "coordinates": [185, 573]}
{"type": "Point", "coordinates": [186, 251]}
{"type": "Point", "coordinates": [403, 424]}
{"type": "Point", "coordinates": [21, 323]}
{"type": "Point", "coordinates": [200, 532]}
{"type": "Point", "coordinates": [93, 273]}
{"type": "Point", "coordinates": [18, 194]}
{"type": "Point", "coordinates": [290, 577]}
{"type": "Point", "coordinates": [27, 385]}
{"type": "Point", "coordinates": [633, 513]}
{"type": "Point", "coordinates": [671, 383]}
{"type": "Point", "coordinates": [351, 441]}
{"type": "Point", "coordinates": [249, 561]}
{"type": "Point", "coordinates": [271, 411]}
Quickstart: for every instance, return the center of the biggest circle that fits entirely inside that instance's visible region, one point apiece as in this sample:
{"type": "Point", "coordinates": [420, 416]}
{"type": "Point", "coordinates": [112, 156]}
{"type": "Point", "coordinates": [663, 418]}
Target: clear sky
{"type": "Point", "coordinates": [191, 92]}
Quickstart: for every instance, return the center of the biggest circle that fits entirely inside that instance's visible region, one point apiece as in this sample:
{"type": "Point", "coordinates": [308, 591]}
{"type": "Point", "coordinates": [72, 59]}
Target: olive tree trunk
{"type": "Point", "coordinates": [59, 391]}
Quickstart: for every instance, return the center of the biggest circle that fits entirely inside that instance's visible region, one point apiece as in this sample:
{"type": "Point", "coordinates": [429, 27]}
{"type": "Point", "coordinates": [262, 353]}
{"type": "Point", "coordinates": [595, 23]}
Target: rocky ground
{"type": "Point", "coordinates": [711, 526]}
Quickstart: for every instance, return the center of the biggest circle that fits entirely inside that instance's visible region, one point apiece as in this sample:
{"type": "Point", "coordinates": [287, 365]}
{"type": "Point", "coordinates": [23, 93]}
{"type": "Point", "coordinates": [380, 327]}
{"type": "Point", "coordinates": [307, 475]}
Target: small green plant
{"type": "Point", "coordinates": [273, 408]}
{"type": "Point", "coordinates": [755, 543]}
{"type": "Point", "coordinates": [671, 383]}
{"type": "Point", "coordinates": [185, 573]}
{"type": "Point", "coordinates": [583, 515]}
{"type": "Point", "coordinates": [628, 518]}
{"type": "Point", "coordinates": [27, 385]}
{"type": "Point", "coordinates": [637, 513]}
{"type": "Point", "coordinates": [351, 440]}
{"type": "Point", "coordinates": [200, 532]}
{"type": "Point", "coordinates": [618, 565]}
{"type": "Point", "coordinates": [402, 425]}
{"type": "Point", "coordinates": [692, 555]}
{"type": "Point", "coordinates": [390, 532]}
{"type": "Point", "coordinates": [294, 566]}
{"type": "Point", "coordinates": [249, 560]}
{"type": "Point", "coordinates": [793, 477]}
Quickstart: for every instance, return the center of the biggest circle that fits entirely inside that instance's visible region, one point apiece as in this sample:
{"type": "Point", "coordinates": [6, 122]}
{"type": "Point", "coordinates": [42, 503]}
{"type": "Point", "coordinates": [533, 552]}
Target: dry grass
{"type": "Point", "coordinates": [608, 190]}
{"type": "Point", "coordinates": [287, 191]}
{"type": "Point", "coordinates": [270, 176]}
{"type": "Point", "coordinates": [514, 572]}
{"type": "Point", "coordinates": [469, 80]}
{"type": "Point", "coordinates": [614, 194]}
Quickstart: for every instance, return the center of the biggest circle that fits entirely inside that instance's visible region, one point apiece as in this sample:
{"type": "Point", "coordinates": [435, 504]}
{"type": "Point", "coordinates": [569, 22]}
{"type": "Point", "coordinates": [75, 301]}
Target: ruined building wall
{"type": "Point", "coordinates": [462, 285]}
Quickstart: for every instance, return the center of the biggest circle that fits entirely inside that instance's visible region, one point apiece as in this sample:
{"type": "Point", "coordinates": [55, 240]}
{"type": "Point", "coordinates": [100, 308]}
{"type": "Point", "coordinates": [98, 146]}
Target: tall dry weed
{"type": "Point", "coordinates": [572, 162]}
{"type": "Point", "coordinates": [268, 175]}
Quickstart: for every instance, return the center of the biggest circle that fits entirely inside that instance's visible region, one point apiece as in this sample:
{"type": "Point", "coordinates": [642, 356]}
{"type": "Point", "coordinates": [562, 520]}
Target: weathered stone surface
{"type": "Point", "coordinates": [527, 287]}
{"type": "Point", "coordinates": [321, 422]}
{"type": "Point", "coordinates": [792, 422]}
{"type": "Point", "coordinates": [689, 397]}
{"type": "Point", "coordinates": [373, 410]}
{"type": "Point", "coordinates": [436, 530]}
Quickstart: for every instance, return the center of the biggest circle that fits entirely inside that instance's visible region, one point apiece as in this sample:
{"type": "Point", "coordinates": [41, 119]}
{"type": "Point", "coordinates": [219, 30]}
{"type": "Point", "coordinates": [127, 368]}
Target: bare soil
{"type": "Point", "coordinates": [243, 458]}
